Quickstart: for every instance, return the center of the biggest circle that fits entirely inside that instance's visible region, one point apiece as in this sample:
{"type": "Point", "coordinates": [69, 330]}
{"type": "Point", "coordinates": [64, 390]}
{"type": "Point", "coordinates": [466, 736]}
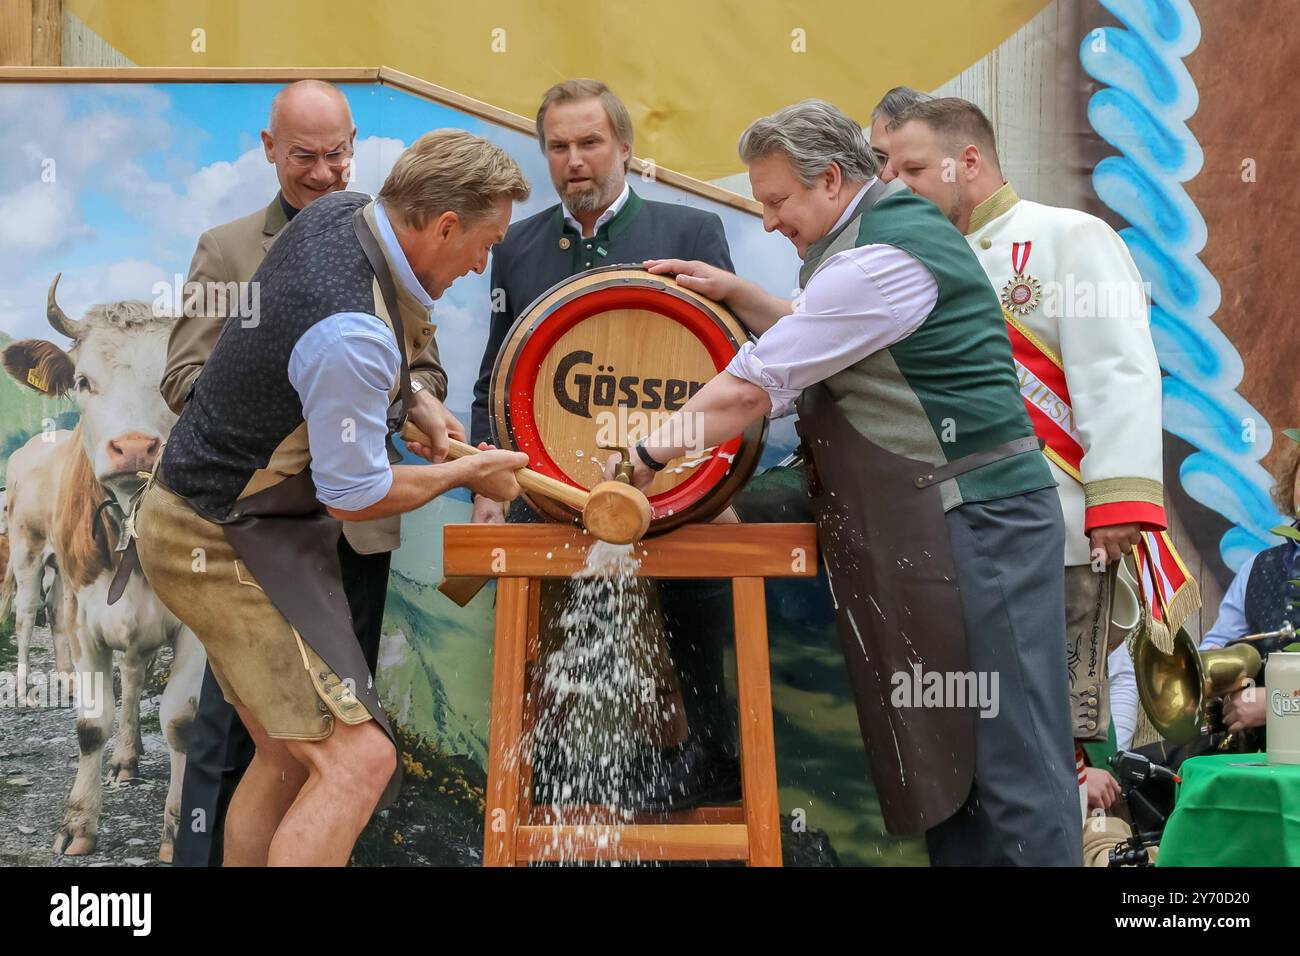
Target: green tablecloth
{"type": "Point", "coordinates": [1234, 810]}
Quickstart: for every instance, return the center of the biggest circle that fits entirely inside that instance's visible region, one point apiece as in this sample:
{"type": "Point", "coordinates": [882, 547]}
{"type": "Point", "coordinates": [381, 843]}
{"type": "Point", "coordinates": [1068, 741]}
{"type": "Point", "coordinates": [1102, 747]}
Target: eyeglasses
{"type": "Point", "coordinates": [335, 158]}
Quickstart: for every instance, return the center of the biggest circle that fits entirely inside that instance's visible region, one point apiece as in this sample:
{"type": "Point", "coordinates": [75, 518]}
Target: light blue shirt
{"type": "Point", "coordinates": [403, 268]}
{"type": "Point", "coordinates": [343, 368]}
{"type": "Point", "coordinates": [1231, 622]}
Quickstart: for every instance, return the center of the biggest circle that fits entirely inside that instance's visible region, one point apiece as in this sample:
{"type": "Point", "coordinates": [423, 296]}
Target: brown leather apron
{"type": "Point", "coordinates": [884, 539]}
{"type": "Point", "coordinates": [289, 542]}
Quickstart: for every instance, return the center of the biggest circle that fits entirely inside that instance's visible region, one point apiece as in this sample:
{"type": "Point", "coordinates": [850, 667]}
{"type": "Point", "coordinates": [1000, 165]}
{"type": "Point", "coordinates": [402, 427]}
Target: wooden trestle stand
{"type": "Point", "coordinates": [519, 556]}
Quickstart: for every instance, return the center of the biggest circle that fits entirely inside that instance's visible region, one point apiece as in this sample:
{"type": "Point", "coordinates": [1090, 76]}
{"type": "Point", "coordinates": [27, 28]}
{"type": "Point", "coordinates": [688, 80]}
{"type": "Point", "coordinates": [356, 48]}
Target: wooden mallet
{"type": "Point", "coordinates": [612, 511]}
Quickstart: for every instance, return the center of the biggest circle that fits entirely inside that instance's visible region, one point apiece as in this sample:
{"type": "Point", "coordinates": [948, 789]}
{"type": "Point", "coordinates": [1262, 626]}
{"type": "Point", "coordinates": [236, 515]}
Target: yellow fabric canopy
{"type": "Point", "coordinates": [692, 72]}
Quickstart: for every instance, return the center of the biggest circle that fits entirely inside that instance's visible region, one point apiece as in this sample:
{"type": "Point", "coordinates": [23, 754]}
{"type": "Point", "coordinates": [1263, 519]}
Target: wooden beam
{"type": "Point", "coordinates": [692, 551]}
{"type": "Point", "coordinates": [545, 816]}
{"type": "Point", "coordinates": [636, 842]}
{"type": "Point", "coordinates": [15, 32]}
{"type": "Point", "coordinates": [501, 817]}
{"type": "Point", "coordinates": [186, 74]}
{"type": "Point", "coordinates": [757, 741]}
{"type": "Point", "coordinates": [459, 101]}
{"type": "Point", "coordinates": [698, 186]}
{"type": "Point", "coordinates": [47, 32]}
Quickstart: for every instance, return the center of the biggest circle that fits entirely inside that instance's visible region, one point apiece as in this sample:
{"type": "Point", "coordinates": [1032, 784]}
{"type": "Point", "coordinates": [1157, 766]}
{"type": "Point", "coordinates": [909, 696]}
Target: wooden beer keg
{"type": "Point", "coordinates": [604, 358]}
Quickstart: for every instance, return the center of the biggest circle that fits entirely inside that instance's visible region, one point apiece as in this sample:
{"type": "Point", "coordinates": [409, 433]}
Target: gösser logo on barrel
{"type": "Point", "coordinates": [605, 358]}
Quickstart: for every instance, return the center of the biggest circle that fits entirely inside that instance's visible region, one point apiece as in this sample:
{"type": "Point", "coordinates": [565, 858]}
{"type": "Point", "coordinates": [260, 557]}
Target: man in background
{"type": "Point", "coordinates": [890, 105]}
{"type": "Point", "coordinates": [310, 140]}
{"type": "Point", "coordinates": [1263, 596]}
{"type": "Point", "coordinates": [1076, 314]}
{"type": "Point", "coordinates": [585, 132]}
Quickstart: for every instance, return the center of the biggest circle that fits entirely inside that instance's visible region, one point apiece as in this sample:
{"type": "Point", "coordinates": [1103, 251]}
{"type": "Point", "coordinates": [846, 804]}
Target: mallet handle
{"type": "Point", "coordinates": [528, 479]}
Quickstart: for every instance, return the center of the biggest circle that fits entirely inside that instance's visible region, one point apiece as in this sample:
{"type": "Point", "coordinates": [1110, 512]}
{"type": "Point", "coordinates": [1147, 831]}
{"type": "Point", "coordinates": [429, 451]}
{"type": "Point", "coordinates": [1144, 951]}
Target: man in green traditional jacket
{"type": "Point", "coordinates": [937, 515]}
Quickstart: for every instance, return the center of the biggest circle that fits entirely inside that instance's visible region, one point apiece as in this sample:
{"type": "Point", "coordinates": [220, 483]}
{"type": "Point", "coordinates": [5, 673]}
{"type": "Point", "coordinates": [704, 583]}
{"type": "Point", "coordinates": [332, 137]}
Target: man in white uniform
{"type": "Point", "coordinates": [1076, 314]}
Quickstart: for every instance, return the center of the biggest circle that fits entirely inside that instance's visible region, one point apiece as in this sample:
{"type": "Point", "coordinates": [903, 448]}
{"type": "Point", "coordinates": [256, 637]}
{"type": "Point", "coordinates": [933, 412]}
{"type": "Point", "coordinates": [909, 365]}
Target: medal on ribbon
{"type": "Point", "coordinates": [1020, 296]}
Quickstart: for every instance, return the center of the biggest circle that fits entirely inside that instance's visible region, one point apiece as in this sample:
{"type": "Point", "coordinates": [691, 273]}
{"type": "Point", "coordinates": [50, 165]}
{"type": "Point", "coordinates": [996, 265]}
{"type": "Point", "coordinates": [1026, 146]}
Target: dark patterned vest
{"type": "Point", "coordinates": [1271, 597]}
{"type": "Point", "coordinates": [244, 412]}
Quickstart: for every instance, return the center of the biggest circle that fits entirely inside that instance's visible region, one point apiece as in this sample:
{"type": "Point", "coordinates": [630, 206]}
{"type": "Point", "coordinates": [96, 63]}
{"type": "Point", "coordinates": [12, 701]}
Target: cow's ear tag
{"type": "Point", "coordinates": [37, 381]}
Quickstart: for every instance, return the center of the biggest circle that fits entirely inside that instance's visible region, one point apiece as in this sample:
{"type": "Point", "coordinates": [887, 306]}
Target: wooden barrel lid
{"type": "Point", "coordinates": [604, 358]}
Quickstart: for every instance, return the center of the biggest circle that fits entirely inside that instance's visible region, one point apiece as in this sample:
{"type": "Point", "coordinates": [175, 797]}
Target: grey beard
{"type": "Point", "coordinates": [592, 198]}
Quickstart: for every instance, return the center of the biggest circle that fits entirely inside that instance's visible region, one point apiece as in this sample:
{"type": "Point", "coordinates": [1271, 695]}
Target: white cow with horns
{"type": "Point", "coordinates": [73, 489]}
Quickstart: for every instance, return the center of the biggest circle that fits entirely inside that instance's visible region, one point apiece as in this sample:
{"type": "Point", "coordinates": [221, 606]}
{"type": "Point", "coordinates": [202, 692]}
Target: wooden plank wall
{"type": "Point", "coordinates": [31, 32]}
{"type": "Point", "coordinates": [82, 46]}
{"type": "Point", "coordinates": [1030, 87]}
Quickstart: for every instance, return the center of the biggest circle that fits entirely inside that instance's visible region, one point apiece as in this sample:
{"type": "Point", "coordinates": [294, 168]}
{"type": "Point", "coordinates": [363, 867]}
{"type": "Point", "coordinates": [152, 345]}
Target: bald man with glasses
{"type": "Point", "coordinates": [310, 140]}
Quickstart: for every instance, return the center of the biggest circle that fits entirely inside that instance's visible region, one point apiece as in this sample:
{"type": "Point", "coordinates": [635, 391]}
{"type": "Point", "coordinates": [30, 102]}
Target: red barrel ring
{"type": "Point", "coordinates": [552, 327]}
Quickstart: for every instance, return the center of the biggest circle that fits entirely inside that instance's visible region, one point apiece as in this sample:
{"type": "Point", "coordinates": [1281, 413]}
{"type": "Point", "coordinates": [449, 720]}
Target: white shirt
{"type": "Point", "coordinates": [603, 218]}
{"type": "Point", "coordinates": [1123, 695]}
{"type": "Point", "coordinates": [859, 301]}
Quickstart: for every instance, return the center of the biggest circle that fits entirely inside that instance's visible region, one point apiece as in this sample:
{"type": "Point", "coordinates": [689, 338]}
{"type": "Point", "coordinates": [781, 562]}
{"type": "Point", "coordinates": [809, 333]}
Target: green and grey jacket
{"type": "Point", "coordinates": [949, 388]}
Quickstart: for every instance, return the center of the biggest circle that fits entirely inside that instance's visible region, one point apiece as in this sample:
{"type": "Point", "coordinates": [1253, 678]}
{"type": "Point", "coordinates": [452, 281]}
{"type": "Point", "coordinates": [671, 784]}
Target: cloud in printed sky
{"type": "Point", "coordinates": [70, 153]}
{"type": "Point", "coordinates": [54, 155]}
{"type": "Point", "coordinates": [22, 305]}
{"type": "Point", "coordinates": [223, 190]}
{"type": "Point", "coordinates": [39, 217]}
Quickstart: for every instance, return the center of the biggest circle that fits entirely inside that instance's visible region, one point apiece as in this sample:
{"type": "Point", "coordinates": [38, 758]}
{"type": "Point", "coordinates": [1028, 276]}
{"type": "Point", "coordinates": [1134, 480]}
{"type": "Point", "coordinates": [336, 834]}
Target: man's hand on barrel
{"type": "Point", "coordinates": [754, 306]}
{"type": "Point", "coordinates": [431, 417]}
{"type": "Point", "coordinates": [494, 472]}
{"type": "Point", "coordinates": [697, 276]}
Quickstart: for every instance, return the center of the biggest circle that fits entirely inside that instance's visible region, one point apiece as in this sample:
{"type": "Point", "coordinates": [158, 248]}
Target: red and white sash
{"type": "Point", "coordinates": [1041, 375]}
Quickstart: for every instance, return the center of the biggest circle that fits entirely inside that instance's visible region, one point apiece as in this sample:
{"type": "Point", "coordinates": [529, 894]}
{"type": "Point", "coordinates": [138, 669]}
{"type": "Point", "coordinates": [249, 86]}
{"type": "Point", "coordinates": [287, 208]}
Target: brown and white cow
{"type": "Point", "coordinates": [111, 372]}
{"type": "Point", "coordinates": [32, 475]}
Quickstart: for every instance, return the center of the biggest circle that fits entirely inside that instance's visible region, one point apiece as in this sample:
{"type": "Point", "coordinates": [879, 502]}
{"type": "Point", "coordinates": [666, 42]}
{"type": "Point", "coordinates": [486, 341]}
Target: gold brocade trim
{"type": "Point", "coordinates": [1000, 202]}
{"type": "Point", "coordinates": [1186, 601]}
{"type": "Point", "coordinates": [1110, 490]}
{"type": "Point", "coordinates": [1056, 458]}
{"type": "Point", "coordinates": [1033, 338]}
{"type": "Point", "coordinates": [1187, 575]}
{"type": "Point", "coordinates": [1059, 461]}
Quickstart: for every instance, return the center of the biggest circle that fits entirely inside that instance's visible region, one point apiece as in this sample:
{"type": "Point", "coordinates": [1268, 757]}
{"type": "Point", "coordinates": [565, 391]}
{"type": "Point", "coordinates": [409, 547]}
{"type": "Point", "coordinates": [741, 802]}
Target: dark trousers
{"type": "Point", "coordinates": [698, 617]}
{"type": "Point", "coordinates": [220, 749]}
{"type": "Point", "coordinates": [1023, 808]}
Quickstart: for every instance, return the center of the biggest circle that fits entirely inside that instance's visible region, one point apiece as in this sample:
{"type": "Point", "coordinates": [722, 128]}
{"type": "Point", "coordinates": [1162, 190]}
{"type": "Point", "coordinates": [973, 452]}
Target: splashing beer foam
{"type": "Point", "coordinates": [599, 696]}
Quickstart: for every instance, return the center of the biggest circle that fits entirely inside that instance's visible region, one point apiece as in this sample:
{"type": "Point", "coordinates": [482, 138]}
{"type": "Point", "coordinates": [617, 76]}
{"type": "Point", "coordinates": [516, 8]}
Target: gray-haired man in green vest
{"type": "Point", "coordinates": [937, 515]}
